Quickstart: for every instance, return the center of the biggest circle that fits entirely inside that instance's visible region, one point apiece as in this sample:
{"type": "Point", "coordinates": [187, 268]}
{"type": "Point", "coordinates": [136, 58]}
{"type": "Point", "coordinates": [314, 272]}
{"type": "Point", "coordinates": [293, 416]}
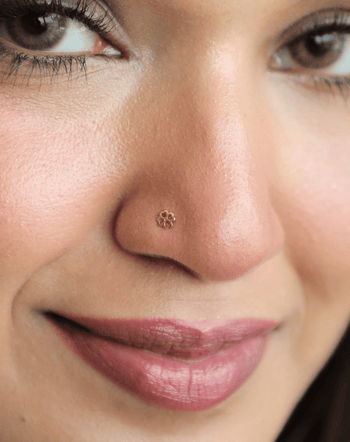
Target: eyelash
{"type": "Point", "coordinates": [50, 66]}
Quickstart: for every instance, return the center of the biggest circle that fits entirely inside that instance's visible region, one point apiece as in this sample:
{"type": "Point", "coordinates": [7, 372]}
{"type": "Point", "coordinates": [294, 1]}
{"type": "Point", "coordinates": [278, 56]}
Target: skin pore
{"type": "Point", "coordinates": [255, 163]}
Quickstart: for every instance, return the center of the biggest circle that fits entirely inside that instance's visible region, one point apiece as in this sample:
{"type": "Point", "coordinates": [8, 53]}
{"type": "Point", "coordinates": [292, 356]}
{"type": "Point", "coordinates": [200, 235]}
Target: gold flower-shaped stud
{"type": "Point", "coordinates": [166, 219]}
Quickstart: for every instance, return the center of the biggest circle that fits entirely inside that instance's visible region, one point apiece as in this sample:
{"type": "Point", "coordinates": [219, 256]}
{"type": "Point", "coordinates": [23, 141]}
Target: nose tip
{"type": "Point", "coordinates": [214, 237]}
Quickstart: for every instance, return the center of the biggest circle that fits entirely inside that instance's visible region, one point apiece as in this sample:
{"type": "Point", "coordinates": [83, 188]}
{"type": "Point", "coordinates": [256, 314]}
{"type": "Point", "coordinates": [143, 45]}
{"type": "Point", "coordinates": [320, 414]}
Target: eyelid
{"type": "Point", "coordinates": [313, 21]}
{"type": "Point", "coordinates": [95, 15]}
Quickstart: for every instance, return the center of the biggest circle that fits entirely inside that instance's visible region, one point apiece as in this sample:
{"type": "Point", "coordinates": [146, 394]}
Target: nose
{"type": "Point", "coordinates": [197, 149]}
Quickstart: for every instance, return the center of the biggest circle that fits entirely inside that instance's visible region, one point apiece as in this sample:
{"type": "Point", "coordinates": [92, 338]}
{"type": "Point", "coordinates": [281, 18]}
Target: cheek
{"type": "Point", "coordinates": [53, 182]}
{"type": "Point", "coordinates": [315, 171]}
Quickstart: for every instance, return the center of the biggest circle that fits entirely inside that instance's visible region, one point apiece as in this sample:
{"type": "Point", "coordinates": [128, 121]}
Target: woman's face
{"type": "Point", "coordinates": [218, 112]}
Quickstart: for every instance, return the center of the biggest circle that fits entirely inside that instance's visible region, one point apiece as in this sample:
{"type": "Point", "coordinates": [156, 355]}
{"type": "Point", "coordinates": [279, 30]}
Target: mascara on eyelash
{"type": "Point", "coordinates": [83, 11]}
{"type": "Point", "coordinates": [320, 21]}
{"type": "Point", "coordinates": [45, 65]}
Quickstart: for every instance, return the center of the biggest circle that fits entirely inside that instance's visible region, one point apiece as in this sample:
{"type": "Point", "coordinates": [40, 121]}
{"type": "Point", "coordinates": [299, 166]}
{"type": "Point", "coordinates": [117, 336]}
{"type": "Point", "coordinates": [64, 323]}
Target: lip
{"type": "Point", "coordinates": [174, 364]}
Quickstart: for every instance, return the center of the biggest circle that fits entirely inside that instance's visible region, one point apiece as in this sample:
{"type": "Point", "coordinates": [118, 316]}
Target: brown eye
{"type": "Point", "coordinates": [35, 32]}
{"type": "Point", "coordinates": [318, 50]}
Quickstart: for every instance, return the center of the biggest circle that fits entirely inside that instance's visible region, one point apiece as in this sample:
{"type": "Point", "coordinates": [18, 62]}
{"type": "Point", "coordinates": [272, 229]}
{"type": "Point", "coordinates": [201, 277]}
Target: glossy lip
{"type": "Point", "coordinates": [174, 364]}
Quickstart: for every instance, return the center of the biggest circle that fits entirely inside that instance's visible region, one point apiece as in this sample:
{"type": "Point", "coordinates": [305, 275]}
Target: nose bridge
{"type": "Point", "coordinates": [200, 167]}
{"type": "Point", "coordinates": [210, 126]}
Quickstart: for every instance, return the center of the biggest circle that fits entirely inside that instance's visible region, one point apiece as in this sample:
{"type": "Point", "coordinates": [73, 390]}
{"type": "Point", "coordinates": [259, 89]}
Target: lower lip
{"type": "Point", "coordinates": [165, 381]}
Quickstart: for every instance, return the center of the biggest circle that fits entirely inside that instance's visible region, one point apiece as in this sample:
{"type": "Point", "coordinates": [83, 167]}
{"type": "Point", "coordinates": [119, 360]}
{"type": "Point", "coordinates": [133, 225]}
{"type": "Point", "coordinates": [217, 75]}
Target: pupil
{"type": "Point", "coordinates": [33, 24]}
{"type": "Point", "coordinates": [320, 45]}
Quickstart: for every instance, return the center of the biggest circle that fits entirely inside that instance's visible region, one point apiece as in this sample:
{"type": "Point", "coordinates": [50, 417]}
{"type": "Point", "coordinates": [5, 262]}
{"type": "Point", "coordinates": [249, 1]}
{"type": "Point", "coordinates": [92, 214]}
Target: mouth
{"type": "Point", "coordinates": [173, 364]}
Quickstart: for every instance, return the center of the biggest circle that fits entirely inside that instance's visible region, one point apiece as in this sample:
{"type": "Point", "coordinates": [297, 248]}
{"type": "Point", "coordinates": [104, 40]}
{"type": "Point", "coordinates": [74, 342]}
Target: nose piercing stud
{"type": "Point", "coordinates": [166, 219]}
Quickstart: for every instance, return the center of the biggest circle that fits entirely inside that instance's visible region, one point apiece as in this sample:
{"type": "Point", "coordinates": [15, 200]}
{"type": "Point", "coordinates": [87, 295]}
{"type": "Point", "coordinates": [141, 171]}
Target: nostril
{"type": "Point", "coordinates": [163, 261]}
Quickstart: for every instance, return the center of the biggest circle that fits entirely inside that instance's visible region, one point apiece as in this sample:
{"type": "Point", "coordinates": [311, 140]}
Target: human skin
{"type": "Point", "coordinates": [256, 167]}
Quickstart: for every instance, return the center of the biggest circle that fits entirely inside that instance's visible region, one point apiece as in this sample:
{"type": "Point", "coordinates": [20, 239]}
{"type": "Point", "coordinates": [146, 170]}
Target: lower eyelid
{"type": "Point", "coordinates": [335, 86]}
{"type": "Point", "coordinates": [16, 65]}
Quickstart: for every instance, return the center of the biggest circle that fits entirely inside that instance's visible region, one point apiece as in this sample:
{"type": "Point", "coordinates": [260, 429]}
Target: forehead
{"type": "Point", "coordinates": [212, 7]}
{"type": "Point", "coordinates": [220, 16]}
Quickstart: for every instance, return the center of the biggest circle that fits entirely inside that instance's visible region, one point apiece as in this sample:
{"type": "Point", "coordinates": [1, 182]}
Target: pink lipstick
{"type": "Point", "coordinates": [174, 364]}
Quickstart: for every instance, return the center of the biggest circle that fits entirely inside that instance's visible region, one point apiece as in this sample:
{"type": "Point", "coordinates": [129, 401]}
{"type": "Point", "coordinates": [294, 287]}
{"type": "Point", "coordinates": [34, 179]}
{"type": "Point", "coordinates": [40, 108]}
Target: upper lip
{"type": "Point", "coordinates": [174, 337]}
